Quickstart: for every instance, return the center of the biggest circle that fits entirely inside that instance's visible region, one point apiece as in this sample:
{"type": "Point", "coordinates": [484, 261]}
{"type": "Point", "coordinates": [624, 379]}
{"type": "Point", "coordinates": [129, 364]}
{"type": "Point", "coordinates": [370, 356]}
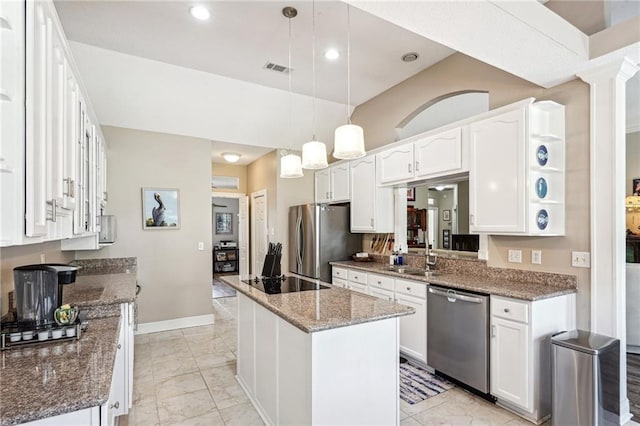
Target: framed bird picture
{"type": "Point", "coordinates": [160, 208]}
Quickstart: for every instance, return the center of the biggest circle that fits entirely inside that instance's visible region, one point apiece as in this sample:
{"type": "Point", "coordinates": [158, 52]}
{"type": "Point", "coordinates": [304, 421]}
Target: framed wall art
{"type": "Point", "coordinates": [224, 223]}
{"type": "Point", "coordinates": [160, 208]}
{"type": "Point", "coordinates": [446, 214]}
{"type": "Point", "coordinates": [411, 194]}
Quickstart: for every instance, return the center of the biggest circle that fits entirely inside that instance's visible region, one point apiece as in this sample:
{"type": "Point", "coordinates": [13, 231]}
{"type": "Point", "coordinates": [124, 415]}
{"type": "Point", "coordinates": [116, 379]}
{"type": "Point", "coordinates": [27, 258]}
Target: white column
{"type": "Point", "coordinates": [607, 151]}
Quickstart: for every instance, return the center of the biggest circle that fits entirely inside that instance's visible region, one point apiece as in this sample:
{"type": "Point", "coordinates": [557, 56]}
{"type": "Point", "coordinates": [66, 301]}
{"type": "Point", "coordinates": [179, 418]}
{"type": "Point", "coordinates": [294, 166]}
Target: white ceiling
{"type": "Point", "coordinates": [242, 36]}
{"type": "Point", "coordinates": [249, 153]}
{"type": "Point", "coordinates": [206, 79]}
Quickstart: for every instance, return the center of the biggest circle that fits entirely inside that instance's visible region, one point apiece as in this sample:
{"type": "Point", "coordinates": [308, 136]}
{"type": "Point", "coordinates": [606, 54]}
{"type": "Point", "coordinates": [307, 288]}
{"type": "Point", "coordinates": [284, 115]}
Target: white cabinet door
{"type": "Point", "coordinates": [439, 154]}
{"type": "Point", "coordinates": [38, 116]}
{"type": "Point", "coordinates": [246, 344]}
{"type": "Point", "coordinates": [371, 207]}
{"type": "Point", "coordinates": [381, 293]}
{"type": "Point", "coordinates": [117, 403]}
{"type": "Point", "coordinates": [510, 373]}
{"type": "Point", "coordinates": [358, 288]}
{"type": "Point", "coordinates": [497, 174]}
{"type": "Point", "coordinates": [72, 135]}
{"type": "Point", "coordinates": [339, 183]}
{"type": "Point", "coordinates": [323, 186]}
{"type": "Point", "coordinates": [396, 164]}
{"type": "Point", "coordinates": [413, 328]}
{"type": "Point", "coordinates": [339, 282]}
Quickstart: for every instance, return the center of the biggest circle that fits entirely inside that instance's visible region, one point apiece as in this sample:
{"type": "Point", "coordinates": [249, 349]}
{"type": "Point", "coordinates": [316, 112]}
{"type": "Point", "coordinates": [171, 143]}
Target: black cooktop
{"type": "Point", "coordinates": [283, 284]}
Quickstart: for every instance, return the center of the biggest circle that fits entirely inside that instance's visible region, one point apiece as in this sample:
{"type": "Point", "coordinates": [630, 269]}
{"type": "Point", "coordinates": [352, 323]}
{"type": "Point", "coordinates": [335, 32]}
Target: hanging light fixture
{"type": "Point", "coordinates": [290, 164]}
{"type": "Point", "coordinates": [314, 153]}
{"type": "Point", "coordinates": [349, 138]}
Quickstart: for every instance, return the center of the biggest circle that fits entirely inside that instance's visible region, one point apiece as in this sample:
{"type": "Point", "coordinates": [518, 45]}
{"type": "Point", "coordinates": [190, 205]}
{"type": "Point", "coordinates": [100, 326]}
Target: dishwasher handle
{"type": "Point", "coordinates": [452, 296]}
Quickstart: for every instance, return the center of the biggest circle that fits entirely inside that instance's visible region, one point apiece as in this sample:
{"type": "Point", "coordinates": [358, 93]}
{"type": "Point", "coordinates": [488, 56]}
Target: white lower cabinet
{"type": "Point", "coordinates": [521, 351]}
{"type": "Point", "coordinates": [86, 417]}
{"type": "Point", "coordinates": [413, 328]}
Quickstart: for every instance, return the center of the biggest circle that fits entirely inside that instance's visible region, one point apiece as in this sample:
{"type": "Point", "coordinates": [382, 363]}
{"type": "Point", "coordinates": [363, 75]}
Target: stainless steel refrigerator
{"type": "Point", "coordinates": [319, 234]}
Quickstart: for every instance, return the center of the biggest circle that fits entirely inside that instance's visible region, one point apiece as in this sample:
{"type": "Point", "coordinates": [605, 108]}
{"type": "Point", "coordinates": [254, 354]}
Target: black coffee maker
{"type": "Point", "coordinates": [39, 291]}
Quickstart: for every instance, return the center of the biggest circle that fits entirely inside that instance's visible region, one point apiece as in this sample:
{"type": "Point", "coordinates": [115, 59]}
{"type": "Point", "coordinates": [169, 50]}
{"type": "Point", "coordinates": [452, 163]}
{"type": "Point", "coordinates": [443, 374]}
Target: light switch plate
{"type": "Point", "coordinates": [515, 256]}
{"type": "Point", "coordinates": [581, 259]}
{"type": "Point", "coordinates": [536, 257]}
{"type": "Point", "coordinates": [200, 245]}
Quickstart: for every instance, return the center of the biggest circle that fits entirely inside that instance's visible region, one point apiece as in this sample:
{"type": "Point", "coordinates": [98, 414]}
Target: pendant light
{"type": "Point", "coordinates": [290, 164]}
{"type": "Point", "coordinates": [314, 153]}
{"type": "Point", "coordinates": [349, 138]}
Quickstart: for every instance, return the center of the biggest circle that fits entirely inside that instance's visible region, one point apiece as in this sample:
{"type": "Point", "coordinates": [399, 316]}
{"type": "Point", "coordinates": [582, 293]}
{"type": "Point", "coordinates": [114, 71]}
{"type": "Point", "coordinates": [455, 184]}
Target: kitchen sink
{"type": "Point", "coordinates": [408, 270]}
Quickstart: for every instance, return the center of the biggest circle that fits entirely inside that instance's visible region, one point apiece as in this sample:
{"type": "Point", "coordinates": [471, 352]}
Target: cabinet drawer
{"type": "Point", "coordinates": [339, 282]}
{"type": "Point", "coordinates": [413, 288]}
{"type": "Point", "coordinates": [357, 276]}
{"type": "Point", "coordinates": [380, 281]}
{"type": "Point", "coordinates": [510, 309]}
{"type": "Point", "coordinates": [340, 273]}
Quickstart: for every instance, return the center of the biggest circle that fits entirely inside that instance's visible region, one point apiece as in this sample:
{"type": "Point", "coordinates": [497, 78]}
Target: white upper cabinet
{"type": "Point", "coordinates": [41, 154]}
{"type": "Point", "coordinates": [332, 184]}
{"type": "Point", "coordinates": [396, 164]}
{"type": "Point", "coordinates": [371, 206]}
{"type": "Point", "coordinates": [516, 176]}
{"type": "Point", "coordinates": [439, 154]}
{"type": "Point", "coordinates": [424, 156]}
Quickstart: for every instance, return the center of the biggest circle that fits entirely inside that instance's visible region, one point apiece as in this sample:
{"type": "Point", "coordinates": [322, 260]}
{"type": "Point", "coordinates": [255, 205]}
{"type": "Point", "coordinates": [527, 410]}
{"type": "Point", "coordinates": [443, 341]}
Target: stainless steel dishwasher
{"type": "Point", "coordinates": [458, 335]}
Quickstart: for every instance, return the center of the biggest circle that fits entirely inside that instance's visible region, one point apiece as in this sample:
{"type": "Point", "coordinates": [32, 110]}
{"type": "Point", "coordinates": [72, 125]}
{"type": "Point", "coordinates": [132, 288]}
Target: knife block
{"type": "Point", "coordinates": [271, 267]}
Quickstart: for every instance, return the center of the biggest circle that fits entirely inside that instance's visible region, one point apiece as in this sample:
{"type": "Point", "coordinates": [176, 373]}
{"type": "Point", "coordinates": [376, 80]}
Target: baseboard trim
{"type": "Point", "coordinates": [156, 326]}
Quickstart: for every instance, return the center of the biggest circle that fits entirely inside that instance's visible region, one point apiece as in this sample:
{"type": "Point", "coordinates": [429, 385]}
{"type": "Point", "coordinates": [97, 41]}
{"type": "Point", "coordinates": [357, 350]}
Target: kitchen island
{"type": "Point", "coordinates": [326, 356]}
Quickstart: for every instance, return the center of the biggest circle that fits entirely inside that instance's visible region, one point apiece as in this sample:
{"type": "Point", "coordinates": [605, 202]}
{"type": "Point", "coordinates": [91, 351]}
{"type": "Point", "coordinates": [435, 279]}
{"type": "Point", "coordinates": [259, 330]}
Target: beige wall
{"type": "Point", "coordinates": [380, 115]}
{"type": "Point", "coordinates": [10, 257]}
{"type": "Point", "coordinates": [633, 160]}
{"type": "Point", "coordinates": [232, 170]}
{"type": "Point", "coordinates": [175, 276]}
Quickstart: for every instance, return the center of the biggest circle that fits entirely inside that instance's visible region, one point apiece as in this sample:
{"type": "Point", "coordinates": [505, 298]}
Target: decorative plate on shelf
{"type": "Point", "coordinates": [542, 219]}
{"type": "Point", "coordinates": [542, 155]}
{"type": "Point", "coordinates": [541, 187]}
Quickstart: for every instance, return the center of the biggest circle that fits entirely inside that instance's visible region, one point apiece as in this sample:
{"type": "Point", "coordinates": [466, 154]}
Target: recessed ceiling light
{"type": "Point", "coordinates": [231, 157]}
{"type": "Point", "coordinates": [332, 54]}
{"type": "Point", "coordinates": [410, 57]}
{"type": "Point", "coordinates": [200, 12]}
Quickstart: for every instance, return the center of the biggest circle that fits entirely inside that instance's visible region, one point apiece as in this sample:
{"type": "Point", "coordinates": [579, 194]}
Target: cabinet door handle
{"type": "Point", "coordinates": [493, 331]}
{"type": "Point", "coordinates": [355, 277]}
{"type": "Point", "coordinates": [115, 405]}
{"type": "Point", "coordinates": [472, 219]}
{"type": "Point", "coordinates": [326, 195]}
{"type": "Point", "coordinates": [417, 166]}
{"type": "Point", "coordinates": [119, 346]}
{"type": "Point", "coordinates": [506, 310]}
{"type": "Point", "coordinates": [409, 167]}
{"type": "Point", "coordinates": [331, 195]}
{"type": "Point", "coordinates": [53, 211]}
{"type": "Point", "coordinates": [371, 221]}
{"type": "Point", "coordinates": [380, 282]}
{"type": "Point", "coordinates": [408, 288]}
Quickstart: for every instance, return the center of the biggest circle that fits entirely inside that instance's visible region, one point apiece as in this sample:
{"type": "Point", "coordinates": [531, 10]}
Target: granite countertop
{"type": "Point", "coordinates": [99, 290]}
{"type": "Point", "coordinates": [48, 379]}
{"type": "Point", "coordinates": [317, 310]}
{"type": "Point", "coordinates": [517, 289]}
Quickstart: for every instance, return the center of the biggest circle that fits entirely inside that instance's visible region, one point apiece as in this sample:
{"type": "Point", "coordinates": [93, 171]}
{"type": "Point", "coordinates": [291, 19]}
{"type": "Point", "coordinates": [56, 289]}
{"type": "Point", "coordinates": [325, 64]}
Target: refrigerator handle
{"type": "Point", "coordinates": [300, 240]}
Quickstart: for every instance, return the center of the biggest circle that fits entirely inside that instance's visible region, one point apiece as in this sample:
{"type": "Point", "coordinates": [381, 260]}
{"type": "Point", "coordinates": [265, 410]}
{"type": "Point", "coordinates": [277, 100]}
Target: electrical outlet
{"type": "Point", "coordinates": [581, 259]}
{"type": "Point", "coordinates": [515, 256]}
{"type": "Point", "coordinates": [536, 257]}
{"type": "Point", "coordinates": [201, 246]}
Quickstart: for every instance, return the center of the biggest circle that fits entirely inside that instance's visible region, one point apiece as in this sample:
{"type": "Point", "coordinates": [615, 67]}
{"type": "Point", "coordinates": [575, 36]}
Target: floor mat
{"type": "Point", "coordinates": [417, 384]}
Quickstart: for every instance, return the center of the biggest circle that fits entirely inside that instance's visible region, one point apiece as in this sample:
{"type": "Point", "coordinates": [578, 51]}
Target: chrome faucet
{"type": "Point", "coordinates": [430, 258]}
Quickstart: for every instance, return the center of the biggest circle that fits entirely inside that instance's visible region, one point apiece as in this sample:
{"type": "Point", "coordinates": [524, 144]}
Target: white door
{"type": "Point", "coordinates": [363, 187]}
{"type": "Point", "coordinates": [413, 328]}
{"type": "Point", "coordinates": [243, 236]}
{"type": "Point", "coordinates": [259, 231]}
{"type": "Point", "coordinates": [438, 154]}
{"type": "Point", "coordinates": [510, 361]}
{"type": "Point", "coordinates": [396, 164]}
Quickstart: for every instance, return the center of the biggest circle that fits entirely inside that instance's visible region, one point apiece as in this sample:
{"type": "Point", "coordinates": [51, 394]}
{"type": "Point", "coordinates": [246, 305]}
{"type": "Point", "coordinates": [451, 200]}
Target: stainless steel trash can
{"type": "Point", "coordinates": [586, 379]}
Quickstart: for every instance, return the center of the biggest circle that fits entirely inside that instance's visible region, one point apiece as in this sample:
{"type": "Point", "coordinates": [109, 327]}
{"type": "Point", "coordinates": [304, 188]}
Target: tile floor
{"type": "Point", "coordinates": [186, 377]}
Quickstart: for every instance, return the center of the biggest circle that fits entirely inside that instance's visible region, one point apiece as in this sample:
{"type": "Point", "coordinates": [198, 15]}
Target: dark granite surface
{"type": "Point", "coordinates": [318, 310]}
{"type": "Point", "coordinates": [499, 282]}
{"type": "Point", "coordinates": [113, 265]}
{"type": "Point", "coordinates": [49, 379]}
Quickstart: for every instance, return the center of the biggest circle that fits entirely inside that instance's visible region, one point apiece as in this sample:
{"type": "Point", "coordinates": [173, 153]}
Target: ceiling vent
{"type": "Point", "coordinates": [277, 68]}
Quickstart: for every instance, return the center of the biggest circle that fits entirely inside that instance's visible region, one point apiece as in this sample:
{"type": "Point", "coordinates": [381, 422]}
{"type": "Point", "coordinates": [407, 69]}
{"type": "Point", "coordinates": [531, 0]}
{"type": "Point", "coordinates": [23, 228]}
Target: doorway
{"type": "Point", "coordinates": [229, 212]}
